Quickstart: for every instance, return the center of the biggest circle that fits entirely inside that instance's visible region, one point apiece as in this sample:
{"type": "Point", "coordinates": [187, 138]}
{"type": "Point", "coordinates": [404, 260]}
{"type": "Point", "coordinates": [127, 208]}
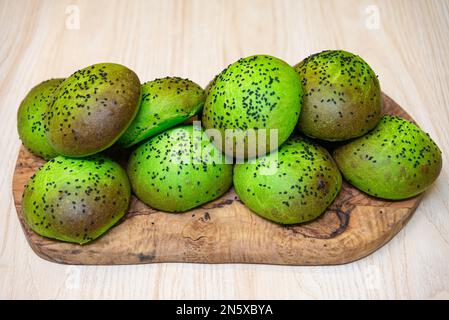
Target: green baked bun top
{"type": "Point", "coordinates": [342, 97]}
{"type": "Point", "coordinates": [294, 184]}
{"type": "Point", "coordinates": [254, 93]}
{"type": "Point", "coordinates": [165, 103]}
{"type": "Point", "coordinates": [93, 108]}
{"type": "Point", "coordinates": [178, 170]}
{"type": "Point", "coordinates": [31, 118]}
{"type": "Point", "coordinates": [76, 200]}
{"type": "Point", "coordinates": [396, 160]}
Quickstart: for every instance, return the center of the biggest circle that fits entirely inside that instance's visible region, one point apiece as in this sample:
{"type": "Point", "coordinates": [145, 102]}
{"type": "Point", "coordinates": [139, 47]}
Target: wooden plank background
{"type": "Point", "coordinates": [406, 43]}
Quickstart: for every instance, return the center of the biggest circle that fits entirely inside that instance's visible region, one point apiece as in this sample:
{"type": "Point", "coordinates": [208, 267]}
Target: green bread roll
{"type": "Point", "coordinates": [93, 108]}
{"type": "Point", "coordinates": [31, 118]}
{"type": "Point", "coordinates": [165, 103]}
{"type": "Point", "coordinates": [342, 96]}
{"type": "Point", "coordinates": [291, 185]}
{"type": "Point", "coordinates": [396, 160]}
{"type": "Point", "coordinates": [253, 94]}
{"type": "Point", "coordinates": [178, 170]}
{"type": "Point", "coordinates": [76, 200]}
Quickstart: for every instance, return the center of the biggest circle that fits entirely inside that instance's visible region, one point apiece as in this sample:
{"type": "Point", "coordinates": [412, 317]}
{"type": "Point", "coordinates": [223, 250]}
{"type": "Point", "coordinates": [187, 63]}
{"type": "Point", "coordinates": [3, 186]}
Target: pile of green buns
{"type": "Point", "coordinates": [262, 125]}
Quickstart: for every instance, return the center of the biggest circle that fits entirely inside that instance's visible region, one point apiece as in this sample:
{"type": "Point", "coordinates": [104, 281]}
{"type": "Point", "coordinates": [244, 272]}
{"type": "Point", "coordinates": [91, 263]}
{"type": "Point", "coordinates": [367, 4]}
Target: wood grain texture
{"type": "Point", "coordinates": [226, 231]}
{"type": "Point", "coordinates": [407, 48]}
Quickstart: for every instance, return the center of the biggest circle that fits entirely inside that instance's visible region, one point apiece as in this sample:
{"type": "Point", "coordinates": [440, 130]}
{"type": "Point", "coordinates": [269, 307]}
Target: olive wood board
{"type": "Point", "coordinates": [225, 231]}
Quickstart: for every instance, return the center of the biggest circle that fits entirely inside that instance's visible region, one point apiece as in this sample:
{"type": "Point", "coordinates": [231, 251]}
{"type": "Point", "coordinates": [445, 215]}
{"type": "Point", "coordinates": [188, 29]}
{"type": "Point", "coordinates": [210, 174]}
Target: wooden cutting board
{"type": "Point", "coordinates": [225, 231]}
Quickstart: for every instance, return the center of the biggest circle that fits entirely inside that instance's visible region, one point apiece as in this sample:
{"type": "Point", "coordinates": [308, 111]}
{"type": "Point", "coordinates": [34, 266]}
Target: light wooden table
{"type": "Point", "coordinates": [406, 43]}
